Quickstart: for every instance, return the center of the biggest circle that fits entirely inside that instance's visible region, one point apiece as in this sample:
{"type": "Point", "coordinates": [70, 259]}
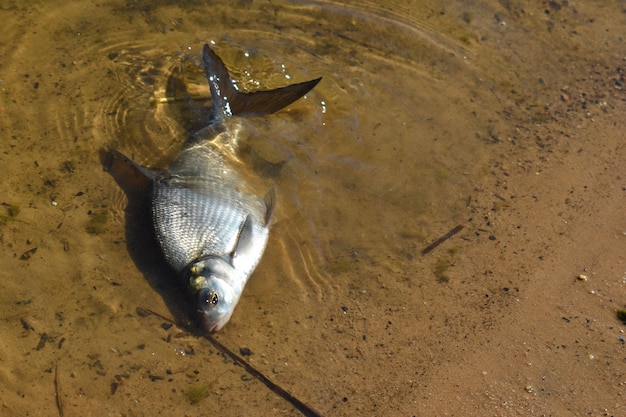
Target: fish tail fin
{"type": "Point", "coordinates": [228, 101]}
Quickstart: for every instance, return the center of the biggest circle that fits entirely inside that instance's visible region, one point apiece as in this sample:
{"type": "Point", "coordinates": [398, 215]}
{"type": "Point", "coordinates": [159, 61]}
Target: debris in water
{"type": "Point", "coordinates": [97, 223]}
{"type": "Point", "coordinates": [26, 255]}
{"type": "Point", "coordinates": [196, 393]}
{"type": "Point", "coordinates": [57, 390]}
{"type": "Point", "coordinates": [42, 341]}
{"type": "Point", "coordinates": [442, 239]}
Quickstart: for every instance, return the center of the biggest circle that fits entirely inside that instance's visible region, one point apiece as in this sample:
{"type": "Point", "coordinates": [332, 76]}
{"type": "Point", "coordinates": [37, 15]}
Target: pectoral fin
{"type": "Point", "coordinates": [270, 204]}
{"type": "Point", "coordinates": [244, 241]}
{"type": "Point", "coordinates": [131, 176]}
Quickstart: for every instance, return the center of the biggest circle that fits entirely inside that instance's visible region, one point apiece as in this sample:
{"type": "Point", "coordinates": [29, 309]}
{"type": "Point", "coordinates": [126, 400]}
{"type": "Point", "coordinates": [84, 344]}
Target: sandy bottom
{"type": "Point", "coordinates": [506, 119]}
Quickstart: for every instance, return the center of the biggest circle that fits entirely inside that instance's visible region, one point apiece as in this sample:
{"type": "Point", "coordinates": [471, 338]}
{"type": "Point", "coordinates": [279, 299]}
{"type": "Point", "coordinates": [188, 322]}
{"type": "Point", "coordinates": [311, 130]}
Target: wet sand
{"type": "Point", "coordinates": [506, 119]}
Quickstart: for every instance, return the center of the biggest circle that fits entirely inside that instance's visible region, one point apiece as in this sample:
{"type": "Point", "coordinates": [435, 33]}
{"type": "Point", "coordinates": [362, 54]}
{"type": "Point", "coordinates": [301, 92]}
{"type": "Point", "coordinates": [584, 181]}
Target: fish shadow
{"type": "Point", "coordinates": [141, 241]}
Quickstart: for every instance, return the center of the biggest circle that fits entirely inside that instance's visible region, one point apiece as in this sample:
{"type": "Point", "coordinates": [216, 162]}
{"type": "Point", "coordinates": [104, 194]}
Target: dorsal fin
{"type": "Point", "coordinates": [227, 101]}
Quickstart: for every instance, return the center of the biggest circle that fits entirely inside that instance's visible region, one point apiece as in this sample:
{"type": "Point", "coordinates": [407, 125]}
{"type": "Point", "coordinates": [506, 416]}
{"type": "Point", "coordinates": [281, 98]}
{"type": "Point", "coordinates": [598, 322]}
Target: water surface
{"type": "Point", "coordinates": [502, 118]}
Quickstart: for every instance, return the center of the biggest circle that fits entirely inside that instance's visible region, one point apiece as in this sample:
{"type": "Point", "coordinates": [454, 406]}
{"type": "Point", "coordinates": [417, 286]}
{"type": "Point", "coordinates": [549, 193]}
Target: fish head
{"type": "Point", "coordinates": [215, 297]}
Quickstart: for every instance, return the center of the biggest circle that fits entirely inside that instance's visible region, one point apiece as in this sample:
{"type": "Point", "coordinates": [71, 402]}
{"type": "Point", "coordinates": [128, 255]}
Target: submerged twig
{"type": "Point", "coordinates": [442, 239]}
{"type": "Point", "coordinates": [159, 316]}
{"type": "Point", "coordinates": [57, 390]}
{"type": "Point", "coordinates": [18, 316]}
{"type": "Point", "coordinates": [305, 409]}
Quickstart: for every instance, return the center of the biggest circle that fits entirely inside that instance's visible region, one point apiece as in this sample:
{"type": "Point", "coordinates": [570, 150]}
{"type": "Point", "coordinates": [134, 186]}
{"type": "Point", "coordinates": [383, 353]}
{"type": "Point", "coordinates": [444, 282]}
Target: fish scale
{"type": "Point", "coordinates": [195, 216]}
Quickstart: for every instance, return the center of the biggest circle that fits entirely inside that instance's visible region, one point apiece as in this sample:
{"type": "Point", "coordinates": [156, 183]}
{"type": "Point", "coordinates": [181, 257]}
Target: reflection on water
{"type": "Point", "coordinates": [417, 124]}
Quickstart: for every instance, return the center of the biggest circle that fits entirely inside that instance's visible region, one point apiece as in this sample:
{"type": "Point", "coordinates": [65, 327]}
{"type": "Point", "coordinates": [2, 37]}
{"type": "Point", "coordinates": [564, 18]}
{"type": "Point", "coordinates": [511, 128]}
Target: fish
{"type": "Point", "coordinates": [211, 228]}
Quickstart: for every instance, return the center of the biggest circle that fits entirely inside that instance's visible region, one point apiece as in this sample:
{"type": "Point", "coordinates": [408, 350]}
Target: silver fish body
{"type": "Point", "coordinates": [201, 211]}
{"type": "Point", "coordinates": [212, 229]}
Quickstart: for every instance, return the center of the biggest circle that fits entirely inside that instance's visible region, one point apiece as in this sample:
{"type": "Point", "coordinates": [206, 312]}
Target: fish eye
{"type": "Point", "coordinates": [212, 298]}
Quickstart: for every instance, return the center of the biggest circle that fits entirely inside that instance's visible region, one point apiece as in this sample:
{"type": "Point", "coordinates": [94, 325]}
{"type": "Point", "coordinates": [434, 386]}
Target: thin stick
{"type": "Point", "coordinates": [305, 409]}
{"type": "Point", "coordinates": [442, 239]}
{"type": "Point", "coordinates": [161, 316]}
{"type": "Point", "coordinates": [18, 316]}
{"type": "Point", "coordinates": [57, 390]}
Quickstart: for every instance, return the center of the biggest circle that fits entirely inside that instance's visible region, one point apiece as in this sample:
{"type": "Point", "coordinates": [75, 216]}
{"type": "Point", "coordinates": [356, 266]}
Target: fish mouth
{"type": "Point", "coordinates": [216, 327]}
{"type": "Point", "coordinates": [212, 325]}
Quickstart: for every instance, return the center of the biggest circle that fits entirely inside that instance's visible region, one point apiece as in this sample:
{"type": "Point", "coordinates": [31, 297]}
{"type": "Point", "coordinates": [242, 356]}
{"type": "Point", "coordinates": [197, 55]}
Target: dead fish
{"type": "Point", "coordinates": [211, 228]}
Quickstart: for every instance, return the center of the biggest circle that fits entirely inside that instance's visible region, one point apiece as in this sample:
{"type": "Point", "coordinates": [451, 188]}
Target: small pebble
{"type": "Point", "coordinates": [582, 277]}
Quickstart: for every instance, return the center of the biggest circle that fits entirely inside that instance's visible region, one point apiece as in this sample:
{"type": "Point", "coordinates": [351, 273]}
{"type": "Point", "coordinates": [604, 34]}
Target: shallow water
{"type": "Point", "coordinates": [506, 119]}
